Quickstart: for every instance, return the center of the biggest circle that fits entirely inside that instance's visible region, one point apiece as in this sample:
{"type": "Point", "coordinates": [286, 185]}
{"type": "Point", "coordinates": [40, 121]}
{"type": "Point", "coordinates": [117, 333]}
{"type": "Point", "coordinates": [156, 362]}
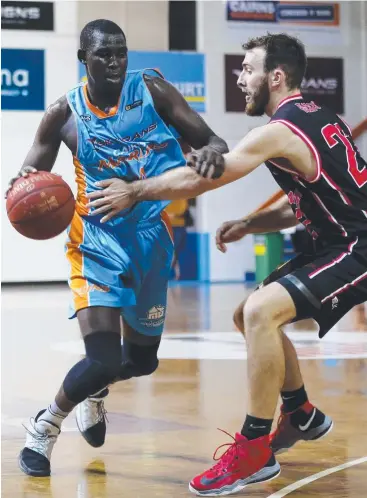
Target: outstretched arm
{"type": "Point", "coordinates": [259, 145]}
{"type": "Point", "coordinates": [180, 183]}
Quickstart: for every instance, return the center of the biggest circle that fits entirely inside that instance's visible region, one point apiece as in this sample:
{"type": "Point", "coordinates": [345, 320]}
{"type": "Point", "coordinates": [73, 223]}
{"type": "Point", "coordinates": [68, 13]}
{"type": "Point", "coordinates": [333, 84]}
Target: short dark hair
{"type": "Point", "coordinates": [100, 26]}
{"type": "Point", "coordinates": [282, 51]}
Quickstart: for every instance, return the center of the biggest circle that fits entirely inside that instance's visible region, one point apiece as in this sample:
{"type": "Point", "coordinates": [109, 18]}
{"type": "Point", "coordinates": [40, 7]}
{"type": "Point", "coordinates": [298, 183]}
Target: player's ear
{"type": "Point", "coordinates": [276, 77]}
{"type": "Point", "coordinates": [82, 56]}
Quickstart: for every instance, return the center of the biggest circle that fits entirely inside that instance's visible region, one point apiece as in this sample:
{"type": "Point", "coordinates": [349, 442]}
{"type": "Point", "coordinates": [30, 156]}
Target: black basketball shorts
{"type": "Point", "coordinates": [326, 285]}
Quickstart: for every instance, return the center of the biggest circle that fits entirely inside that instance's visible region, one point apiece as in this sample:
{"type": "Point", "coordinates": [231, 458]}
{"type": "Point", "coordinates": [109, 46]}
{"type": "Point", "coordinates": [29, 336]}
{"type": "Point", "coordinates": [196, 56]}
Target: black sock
{"type": "Point", "coordinates": [256, 427]}
{"type": "Point", "coordinates": [293, 399]}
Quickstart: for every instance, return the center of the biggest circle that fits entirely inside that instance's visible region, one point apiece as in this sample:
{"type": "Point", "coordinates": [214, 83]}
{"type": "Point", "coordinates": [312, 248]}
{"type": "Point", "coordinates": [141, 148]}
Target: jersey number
{"type": "Point", "coordinates": [330, 132]}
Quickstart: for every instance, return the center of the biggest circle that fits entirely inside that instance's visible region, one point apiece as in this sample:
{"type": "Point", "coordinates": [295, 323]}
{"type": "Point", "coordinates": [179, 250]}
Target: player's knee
{"type": "Point", "coordinates": [238, 318]}
{"type": "Point", "coordinates": [139, 360]}
{"type": "Point", "coordinates": [268, 308]}
{"type": "Point", "coordinates": [100, 367]}
{"type": "Point", "coordinates": [104, 348]}
{"type": "Point", "coordinates": [147, 368]}
{"type": "Point", "coordinates": [257, 311]}
{"type": "Point", "coordinates": [109, 372]}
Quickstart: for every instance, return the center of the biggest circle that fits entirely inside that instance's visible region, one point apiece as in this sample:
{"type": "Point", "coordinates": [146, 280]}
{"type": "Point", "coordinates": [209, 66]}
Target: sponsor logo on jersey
{"type": "Point", "coordinates": [154, 317]}
{"type": "Point", "coordinates": [308, 107]}
{"type": "Point", "coordinates": [137, 103]}
{"type": "Point", "coordinates": [87, 287]}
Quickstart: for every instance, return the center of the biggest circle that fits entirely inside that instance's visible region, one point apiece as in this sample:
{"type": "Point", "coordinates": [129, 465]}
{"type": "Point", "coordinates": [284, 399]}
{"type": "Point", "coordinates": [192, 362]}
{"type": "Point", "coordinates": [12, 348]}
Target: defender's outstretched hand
{"type": "Point", "coordinates": [116, 195]}
{"type": "Point", "coordinates": [230, 231]}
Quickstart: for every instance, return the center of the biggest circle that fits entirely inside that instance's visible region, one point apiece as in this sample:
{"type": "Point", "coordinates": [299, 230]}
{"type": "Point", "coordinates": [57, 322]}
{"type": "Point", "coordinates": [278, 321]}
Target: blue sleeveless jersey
{"type": "Point", "coordinates": [132, 142]}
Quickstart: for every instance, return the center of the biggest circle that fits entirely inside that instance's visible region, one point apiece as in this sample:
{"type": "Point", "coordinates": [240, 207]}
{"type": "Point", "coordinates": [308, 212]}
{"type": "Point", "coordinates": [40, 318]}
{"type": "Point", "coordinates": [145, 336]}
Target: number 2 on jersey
{"type": "Point", "coordinates": [330, 132]}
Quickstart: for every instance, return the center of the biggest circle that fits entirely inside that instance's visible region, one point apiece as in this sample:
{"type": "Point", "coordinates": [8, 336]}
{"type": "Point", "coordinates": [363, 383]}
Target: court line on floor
{"type": "Point", "coordinates": [307, 480]}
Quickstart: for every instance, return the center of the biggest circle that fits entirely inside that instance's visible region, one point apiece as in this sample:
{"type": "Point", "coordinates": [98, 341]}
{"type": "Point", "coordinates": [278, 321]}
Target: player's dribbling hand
{"type": "Point", "coordinates": [207, 162]}
{"type": "Point", "coordinates": [116, 195]}
{"type": "Point", "coordinates": [25, 171]}
{"type": "Point", "coordinates": [230, 231]}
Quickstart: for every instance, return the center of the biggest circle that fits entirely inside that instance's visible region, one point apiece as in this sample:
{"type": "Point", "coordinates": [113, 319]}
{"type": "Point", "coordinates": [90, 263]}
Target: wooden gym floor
{"type": "Point", "coordinates": [162, 429]}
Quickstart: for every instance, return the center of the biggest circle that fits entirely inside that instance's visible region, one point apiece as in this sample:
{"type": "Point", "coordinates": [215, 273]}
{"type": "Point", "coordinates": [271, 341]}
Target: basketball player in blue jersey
{"type": "Point", "coordinates": [311, 154]}
{"type": "Point", "coordinates": [117, 125]}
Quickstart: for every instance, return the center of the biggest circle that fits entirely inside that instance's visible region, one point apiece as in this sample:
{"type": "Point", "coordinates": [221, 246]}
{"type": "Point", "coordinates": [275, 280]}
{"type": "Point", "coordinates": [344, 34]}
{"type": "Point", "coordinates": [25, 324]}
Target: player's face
{"type": "Point", "coordinates": [253, 81]}
{"type": "Point", "coordinates": [106, 61]}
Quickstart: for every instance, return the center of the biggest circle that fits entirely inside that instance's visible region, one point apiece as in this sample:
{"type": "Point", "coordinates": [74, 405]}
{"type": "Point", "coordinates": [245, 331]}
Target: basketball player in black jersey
{"type": "Point", "coordinates": [310, 152]}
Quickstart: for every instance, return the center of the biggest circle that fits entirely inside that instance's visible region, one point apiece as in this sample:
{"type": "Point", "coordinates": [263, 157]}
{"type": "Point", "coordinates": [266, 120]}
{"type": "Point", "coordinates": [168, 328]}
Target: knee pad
{"type": "Point", "coordinates": [105, 348]}
{"type": "Point", "coordinates": [100, 367]}
{"type": "Point", "coordinates": [138, 360]}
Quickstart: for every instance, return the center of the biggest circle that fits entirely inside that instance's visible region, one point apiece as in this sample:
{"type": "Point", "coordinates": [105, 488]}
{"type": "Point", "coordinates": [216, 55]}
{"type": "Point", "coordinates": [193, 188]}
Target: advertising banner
{"type": "Point", "coordinates": [22, 80]}
{"type": "Point", "coordinates": [37, 16]}
{"type": "Point", "coordinates": [185, 71]}
{"type": "Point", "coordinates": [323, 82]}
{"type": "Point", "coordinates": [313, 22]}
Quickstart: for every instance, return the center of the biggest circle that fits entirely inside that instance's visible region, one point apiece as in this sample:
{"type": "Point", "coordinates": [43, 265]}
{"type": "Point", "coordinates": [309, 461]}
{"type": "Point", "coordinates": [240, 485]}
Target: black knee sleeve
{"type": "Point", "coordinates": [100, 367]}
{"type": "Point", "coordinates": [138, 360]}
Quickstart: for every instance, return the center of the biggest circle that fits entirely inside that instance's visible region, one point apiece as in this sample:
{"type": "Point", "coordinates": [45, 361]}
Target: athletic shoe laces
{"type": "Point", "coordinates": [227, 458]}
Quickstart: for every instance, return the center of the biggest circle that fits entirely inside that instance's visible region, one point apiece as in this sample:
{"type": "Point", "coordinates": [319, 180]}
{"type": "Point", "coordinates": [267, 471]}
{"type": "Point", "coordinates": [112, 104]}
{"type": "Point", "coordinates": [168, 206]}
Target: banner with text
{"type": "Point", "coordinates": [22, 80]}
{"type": "Point", "coordinates": [302, 19]}
{"type": "Point", "coordinates": [185, 71]}
{"type": "Point", "coordinates": [323, 82]}
{"type": "Point", "coordinates": [31, 16]}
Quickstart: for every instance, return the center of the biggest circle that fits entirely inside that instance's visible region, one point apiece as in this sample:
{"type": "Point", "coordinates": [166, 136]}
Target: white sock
{"type": "Point", "coordinates": [54, 415]}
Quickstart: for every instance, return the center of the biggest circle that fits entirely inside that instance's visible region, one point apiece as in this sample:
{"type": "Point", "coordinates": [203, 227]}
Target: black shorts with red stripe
{"type": "Point", "coordinates": [327, 284]}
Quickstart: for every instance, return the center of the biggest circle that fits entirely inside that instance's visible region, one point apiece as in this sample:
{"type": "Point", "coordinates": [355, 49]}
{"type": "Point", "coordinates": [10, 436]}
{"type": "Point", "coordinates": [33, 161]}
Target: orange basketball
{"type": "Point", "coordinates": [40, 206]}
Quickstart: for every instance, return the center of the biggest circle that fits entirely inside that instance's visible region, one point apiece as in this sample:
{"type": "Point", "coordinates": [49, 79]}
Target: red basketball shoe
{"type": "Point", "coordinates": [245, 462]}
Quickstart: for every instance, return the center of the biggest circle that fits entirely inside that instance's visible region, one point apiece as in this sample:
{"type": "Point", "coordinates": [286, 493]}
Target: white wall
{"type": "Point", "coordinates": [145, 23]}
{"type": "Point", "coordinates": [146, 28]}
{"type": "Point", "coordinates": [24, 259]}
{"type": "Point", "coordinates": [215, 39]}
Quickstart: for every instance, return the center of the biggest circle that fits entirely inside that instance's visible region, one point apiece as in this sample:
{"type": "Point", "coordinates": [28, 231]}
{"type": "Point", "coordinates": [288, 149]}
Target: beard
{"type": "Point", "coordinates": [259, 100]}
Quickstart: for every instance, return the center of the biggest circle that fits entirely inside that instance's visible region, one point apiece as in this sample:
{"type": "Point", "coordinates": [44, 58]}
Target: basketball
{"type": "Point", "coordinates": [40, 206]}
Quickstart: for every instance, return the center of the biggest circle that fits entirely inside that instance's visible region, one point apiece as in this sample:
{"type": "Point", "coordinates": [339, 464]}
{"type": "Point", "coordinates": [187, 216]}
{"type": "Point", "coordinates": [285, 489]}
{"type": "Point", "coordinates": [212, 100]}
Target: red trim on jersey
{"type": "Point", "coordinates": [334, 261]}
{"type": "Point", "coordinates": [333, 185]}
{"type": "Point", "coordinates": [343, 196]}
{"type": "Point", "coordinates": [297, 96]}
{"type": "Point", "coordinates": [330, 216]}
{"type": "Point", "coordinates": [291, 171]}
{"type": "Point", "coordinates": [347, 125]}
{"type": "Point", "coordinates": [345, 287]}
{"type": "Point", "coordinates": [308, 142]}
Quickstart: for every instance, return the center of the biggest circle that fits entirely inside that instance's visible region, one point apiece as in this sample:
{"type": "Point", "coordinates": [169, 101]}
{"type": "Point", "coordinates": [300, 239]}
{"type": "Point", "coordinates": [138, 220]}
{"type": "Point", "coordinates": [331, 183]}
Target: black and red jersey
{"type": "Point", "coordinates": [333, 204]}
